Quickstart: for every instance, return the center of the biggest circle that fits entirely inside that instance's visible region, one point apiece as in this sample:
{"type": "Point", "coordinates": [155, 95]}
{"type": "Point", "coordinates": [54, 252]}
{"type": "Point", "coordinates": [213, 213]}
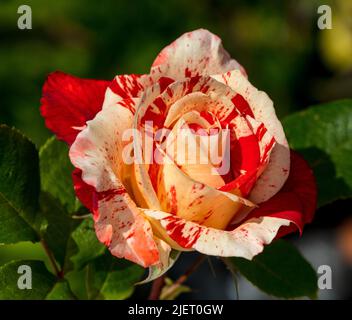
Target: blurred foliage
{"type": "Point", "coordinates": [277, 41]}
{"type": "Point", "coordinates": [336, 45]}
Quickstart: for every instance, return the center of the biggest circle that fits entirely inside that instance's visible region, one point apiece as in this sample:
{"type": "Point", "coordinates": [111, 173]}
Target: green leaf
{"type": "Point", "coordinates": [77, 281]}
{"type": "Point", "coordinates": [322, 134]}
{"type": "Point", "coordinates": [19, 187]}
{"type": "Point", "coordinates": [110, 278]}
{"type": "Point", "coordinates": [61, 291]}
{"type": "Point", "coordinates": [87, 242]}
{"type": "Point", "coordinates": [279, 270]}
{"type": "Point", "coordinates": [58, 229]}
{"type": "Point", "coordinates": [55, 173]}
{"type": "Point", "coordinates": [42, 281]}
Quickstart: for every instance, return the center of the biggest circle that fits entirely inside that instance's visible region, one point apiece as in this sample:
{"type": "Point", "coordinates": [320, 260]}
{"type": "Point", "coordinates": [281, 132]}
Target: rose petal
{"type": "Point", "coordinates": [68, 102]}
{"type": "Point", "coordinates": [251, 150]}
{"type": "Point", "coordinates": [97, 152]}
{"type": "Point", "coordinates": [194, 201]}
{"type": "Point", "coordinates": [127, 88]}
{"type": "Point", "coordinates": [277, 170]}
{"type": "Point", "coordinates": [183, 96]}
{"type": "Point", "coordinates": [245, 241]}
{"type": "Point", "coordinates": [195, 53]}
{"type": "Point", "coordinates": [197, 163]}
{"type": "Point", "coordinates": [84, 192]}
{"type": "Point", "coordinates": [202, 94]}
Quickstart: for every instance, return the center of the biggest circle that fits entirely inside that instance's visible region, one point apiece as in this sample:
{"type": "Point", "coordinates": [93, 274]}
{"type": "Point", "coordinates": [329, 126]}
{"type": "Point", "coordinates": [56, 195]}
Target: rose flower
{"type": "Point", "coordinates": [144, 209]}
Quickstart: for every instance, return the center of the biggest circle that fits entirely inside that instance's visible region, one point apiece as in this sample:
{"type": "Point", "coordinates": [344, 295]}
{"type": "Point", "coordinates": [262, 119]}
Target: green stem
{"type": "Point", "coordinates": [157, 286]}
{"type": "Point", "coordinates": [170, 290]}
{"type": "Point", "coordinates": [57, 271]}
{"type": "Point", "coordinates": [81, 217]}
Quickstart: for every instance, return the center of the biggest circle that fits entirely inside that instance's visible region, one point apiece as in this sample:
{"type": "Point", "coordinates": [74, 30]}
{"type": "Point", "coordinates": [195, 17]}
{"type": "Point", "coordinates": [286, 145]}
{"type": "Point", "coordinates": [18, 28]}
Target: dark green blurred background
{"type": "Point", "coordinates": [278, 42]}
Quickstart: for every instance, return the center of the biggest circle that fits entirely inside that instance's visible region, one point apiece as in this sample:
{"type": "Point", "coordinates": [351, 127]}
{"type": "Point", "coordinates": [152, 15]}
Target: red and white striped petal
{"type": "Point", "coordinates": [277, 170]}
{"type": "Point", "coordinates": [128, 87]}
{"type": "Point", "coordinates": [195, 53]}
{"type": "Point", "coordinates": [97, 152]}
{"type": "Point", "coordinates": [245, 241]}
{"type": "Point", "coordinates": [266, 141]}
{"type": "Point", "coordinates": [181, 97]}
{"type": "Point", "coordinates": [211, 100]}
{"type": "Point", "coordinates": [250, 153]}
{"type": "Point", "coordinates": [140, 181]}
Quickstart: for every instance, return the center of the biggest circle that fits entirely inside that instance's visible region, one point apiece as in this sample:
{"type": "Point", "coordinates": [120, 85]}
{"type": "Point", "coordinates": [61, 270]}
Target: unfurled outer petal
{"type": "Point", "coordinates": [97, 152]}
{"type": "Point", "coordinates": [245, 241]}
{"type": "Point", "coordinates": [193, 54]}
{"type": "Point", "coordinates": [68, 102]}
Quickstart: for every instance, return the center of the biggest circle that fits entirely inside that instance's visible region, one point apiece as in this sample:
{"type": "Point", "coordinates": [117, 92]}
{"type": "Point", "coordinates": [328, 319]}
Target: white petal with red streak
{"type": "Point", "coordinates": [277, 170]}
{"type": "Point", "coordinates": [97, 151]}
{"type": "Point", "coordinates": [245, 241]}
{"type": "Point", "coordinates": [124, 89]}
{"type": "Point", "coordinates": [196, 53]}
